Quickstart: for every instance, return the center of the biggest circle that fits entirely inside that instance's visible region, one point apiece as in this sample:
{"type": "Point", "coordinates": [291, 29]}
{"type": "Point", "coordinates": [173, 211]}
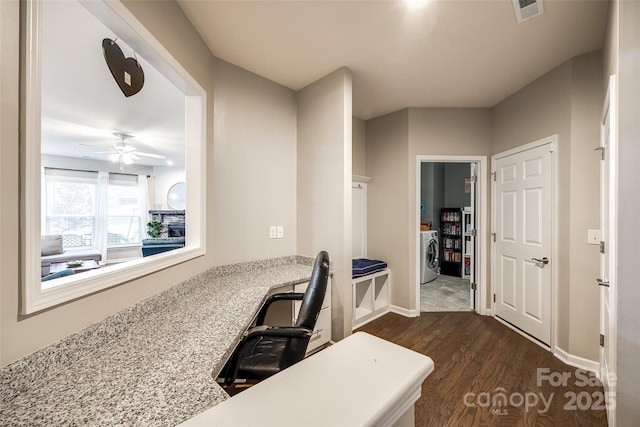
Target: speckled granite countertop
{"type": "Point", "coordinates": [150, 364]}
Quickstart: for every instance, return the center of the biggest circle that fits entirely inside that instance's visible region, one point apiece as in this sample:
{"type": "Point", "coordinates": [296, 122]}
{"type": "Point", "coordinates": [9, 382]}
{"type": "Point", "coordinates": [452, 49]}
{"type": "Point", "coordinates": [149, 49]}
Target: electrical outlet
{"type": "Point", "coordinates": [594, 237]}
{"type": "Point", "coordinates": [272, 232]}
{"type": "Point", "coordinates": [280, 232]}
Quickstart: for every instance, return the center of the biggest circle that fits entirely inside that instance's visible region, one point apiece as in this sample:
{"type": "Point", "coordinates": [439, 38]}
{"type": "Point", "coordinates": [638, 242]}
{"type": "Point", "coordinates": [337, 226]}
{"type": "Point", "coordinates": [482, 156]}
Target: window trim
{"type": "Point", "coordinates": [37, 295]}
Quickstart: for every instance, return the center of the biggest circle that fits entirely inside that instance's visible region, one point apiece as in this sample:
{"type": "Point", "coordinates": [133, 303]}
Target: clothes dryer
{"type": "Point", "coordinates": [429, 256]}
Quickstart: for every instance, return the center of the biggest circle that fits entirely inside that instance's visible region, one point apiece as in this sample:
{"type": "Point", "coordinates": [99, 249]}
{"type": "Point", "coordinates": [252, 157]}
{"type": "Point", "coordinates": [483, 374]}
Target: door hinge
{"type": "Point", "coordinates": [494, 297]}
{"type": "Point", "coordinates": [472, 179]}
{"type": "Point", "coordinates": [473, 232]}
{"type": "Point", "coordinates": [601, 340]}
{"type": "Point", "coordinates": [474, 286]}
{"type": "Point", "coordinates": [493, 236]}
{"type": "Point", "coordinates": [602, 151]}
{"type": "Point", "coordinates": [601, 247]}
{"type": "Point", "coordinates": [493, 175]}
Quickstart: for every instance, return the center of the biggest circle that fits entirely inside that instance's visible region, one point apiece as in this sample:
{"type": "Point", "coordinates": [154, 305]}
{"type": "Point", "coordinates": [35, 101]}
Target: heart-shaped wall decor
{"type": "Point", "coordinates": [126, 71]}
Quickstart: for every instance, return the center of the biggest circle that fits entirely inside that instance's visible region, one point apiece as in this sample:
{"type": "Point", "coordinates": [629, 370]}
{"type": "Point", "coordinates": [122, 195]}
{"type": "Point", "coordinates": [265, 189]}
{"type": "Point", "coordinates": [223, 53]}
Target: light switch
{"type": "Point", "coordinates": [594, 237]}
{"type": "Point", "coordinates": [280, 231]}
{"type": "Point", "coordinates": [272, 232]}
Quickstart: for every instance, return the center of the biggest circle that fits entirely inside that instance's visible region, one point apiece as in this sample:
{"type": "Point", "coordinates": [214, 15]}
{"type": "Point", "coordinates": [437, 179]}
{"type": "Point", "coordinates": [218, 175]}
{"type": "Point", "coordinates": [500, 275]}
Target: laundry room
{"type": "Point", "coordinates": [446, 224]}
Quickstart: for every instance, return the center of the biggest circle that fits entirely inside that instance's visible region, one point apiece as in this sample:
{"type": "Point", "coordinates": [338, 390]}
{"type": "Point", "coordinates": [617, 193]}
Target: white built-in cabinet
{"type": "Point", "coordinates": [359, 216]}
{"type": "Point", "coordinates": [370, 297]}
{"type": "Point", "coordinates": [371, 292]}
{"type": "Point", "coordinates": [322, 332]}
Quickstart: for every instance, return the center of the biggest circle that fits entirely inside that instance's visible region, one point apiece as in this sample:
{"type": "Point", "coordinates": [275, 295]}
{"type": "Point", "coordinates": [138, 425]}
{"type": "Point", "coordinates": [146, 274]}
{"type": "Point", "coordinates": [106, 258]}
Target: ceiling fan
{"type": "Point", "coordinates": [125, 153]}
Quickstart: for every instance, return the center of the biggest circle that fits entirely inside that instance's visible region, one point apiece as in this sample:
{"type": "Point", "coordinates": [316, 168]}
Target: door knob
{"type": "Point", "coordinates": [544, 260]}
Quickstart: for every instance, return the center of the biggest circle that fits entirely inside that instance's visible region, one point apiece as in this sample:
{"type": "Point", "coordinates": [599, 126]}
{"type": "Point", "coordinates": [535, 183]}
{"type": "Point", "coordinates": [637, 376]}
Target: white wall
{"type": "Point", "coordinates": [164, 177]}
{"type": "Point", "coordinates": [324, 185]}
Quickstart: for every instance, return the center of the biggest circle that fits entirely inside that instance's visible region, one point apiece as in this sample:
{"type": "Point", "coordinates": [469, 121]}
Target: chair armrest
{"type": "Point", "coordinates": [277, 331]}
{"type": "Point", "coordinates": [289, 296]}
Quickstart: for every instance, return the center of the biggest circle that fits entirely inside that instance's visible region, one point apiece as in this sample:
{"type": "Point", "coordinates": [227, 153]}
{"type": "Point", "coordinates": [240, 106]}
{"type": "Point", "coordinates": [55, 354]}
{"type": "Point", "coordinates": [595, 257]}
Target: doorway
{"type": "Point", "coordinates": [450, 195]}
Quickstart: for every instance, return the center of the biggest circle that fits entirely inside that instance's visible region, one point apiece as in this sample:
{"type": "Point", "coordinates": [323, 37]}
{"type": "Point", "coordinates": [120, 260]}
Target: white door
{"type": "Point", "coordinates": [523, 239]}
{"type": "Point", "coordinates": [607, 280]}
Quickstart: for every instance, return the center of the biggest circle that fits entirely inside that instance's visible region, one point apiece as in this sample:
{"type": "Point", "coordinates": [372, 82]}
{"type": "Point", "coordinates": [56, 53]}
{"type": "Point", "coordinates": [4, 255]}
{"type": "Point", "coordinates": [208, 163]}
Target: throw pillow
{"type": "Point", "coordinates": [51, 244]}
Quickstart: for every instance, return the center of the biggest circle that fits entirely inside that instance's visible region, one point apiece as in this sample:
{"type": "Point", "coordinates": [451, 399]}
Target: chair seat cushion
{"type": "Point", "coordinates": [265, 356]}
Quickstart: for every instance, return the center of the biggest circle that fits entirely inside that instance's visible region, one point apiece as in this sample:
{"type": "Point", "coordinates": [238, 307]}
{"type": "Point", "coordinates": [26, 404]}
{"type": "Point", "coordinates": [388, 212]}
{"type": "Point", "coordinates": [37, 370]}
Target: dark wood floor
{"type": "Point", "coordinates": [478, 361]}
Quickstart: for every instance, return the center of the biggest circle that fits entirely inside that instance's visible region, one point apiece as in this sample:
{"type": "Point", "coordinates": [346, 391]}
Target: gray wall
{"type": "Point", "coordinates": [359, 147]}
{"type": "Point", "coordinates": [454, 181]}
{"type": "Point", "coordinates": [324, 185]}
{"type": "Point", "coordinates": [427, 187]}
{"type": "Point", "coordinates": [443, 186]}
{"type": "Point", "coordinates": [393, 142]}
{"type": "Point", "coordinates": [253, 166]}
{"type": "Point", "coordinates": [568, 102]}
{"type": "Point", "coordinates": [388, 211]}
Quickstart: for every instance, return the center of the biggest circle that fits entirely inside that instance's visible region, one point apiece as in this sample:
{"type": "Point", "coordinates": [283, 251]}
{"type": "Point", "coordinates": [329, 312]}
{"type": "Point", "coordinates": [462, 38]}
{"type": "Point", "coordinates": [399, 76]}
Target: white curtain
{"type": "Point", "coordinates": [102, 212]}
{"type": "Point", "coordinates": [143, 203]}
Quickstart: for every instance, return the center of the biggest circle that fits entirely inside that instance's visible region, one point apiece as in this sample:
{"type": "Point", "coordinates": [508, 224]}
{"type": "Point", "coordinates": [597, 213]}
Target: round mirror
{"type": "Point", "coordinates": [177, 196]}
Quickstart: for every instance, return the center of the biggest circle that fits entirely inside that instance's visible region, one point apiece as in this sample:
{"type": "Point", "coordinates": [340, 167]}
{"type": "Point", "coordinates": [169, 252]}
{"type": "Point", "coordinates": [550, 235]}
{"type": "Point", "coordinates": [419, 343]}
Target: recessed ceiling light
{"type": "Point", "coordinates": [414, 4]}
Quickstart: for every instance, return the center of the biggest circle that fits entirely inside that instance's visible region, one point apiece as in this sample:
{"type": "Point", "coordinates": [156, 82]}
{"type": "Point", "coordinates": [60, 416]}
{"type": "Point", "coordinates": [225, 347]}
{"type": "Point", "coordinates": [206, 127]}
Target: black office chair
{"type": "Point", "coordinates": [267, 350]}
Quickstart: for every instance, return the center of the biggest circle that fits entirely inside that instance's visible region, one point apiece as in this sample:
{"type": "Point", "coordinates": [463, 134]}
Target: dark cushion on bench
{"type": "Point", "coordinates": [363, 266]}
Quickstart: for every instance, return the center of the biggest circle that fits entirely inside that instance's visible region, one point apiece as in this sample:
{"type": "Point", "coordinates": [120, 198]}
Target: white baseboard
{"type": "Point", "coordinates": [488, 313]}
{"type": "Point", "coordinates": [403, 311]}
{"type": "Point", "coordinates": [577, 361]}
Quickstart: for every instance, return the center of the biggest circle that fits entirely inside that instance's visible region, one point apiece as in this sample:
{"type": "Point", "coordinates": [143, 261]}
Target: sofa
{"type": "Point", "coordinates": [52, 251]}
{"type": "Point", "coordinates": [161, 244]}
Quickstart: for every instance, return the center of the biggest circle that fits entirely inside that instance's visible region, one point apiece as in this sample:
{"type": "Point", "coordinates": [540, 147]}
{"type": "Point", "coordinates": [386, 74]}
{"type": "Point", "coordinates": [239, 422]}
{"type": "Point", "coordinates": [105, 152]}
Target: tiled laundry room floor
{"type": "Point", "coordinates": [445, 293]}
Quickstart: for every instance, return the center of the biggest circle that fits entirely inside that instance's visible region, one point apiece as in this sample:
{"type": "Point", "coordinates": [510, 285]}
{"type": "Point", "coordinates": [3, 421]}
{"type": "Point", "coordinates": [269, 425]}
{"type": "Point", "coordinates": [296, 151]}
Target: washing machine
{"type": "Point", "coordinates": [429, 256]}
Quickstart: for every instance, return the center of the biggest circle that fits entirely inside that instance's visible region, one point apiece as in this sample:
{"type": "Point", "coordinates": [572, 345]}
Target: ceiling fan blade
{"type": "Point", "coordinates": [156, 156]}
{"type": "Point", "coordinates": [91, 145]}
{"type": "Point", "coordinates": [102, 152]}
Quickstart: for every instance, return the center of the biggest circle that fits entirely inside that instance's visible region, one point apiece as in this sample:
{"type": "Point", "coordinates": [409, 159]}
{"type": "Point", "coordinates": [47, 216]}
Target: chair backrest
{"type": "Point", "coordinates": [314, 295]}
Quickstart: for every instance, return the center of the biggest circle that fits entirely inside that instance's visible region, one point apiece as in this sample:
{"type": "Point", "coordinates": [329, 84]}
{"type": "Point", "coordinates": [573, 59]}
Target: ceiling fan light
{"type": "Point", "coordinates": [114, 157]}
{"type": "Point", "coordinates": [126, 158]}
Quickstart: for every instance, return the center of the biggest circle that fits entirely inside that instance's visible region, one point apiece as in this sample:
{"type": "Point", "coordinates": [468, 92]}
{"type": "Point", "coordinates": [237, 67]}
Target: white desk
{"type": "Point", "coordinates": [360, 381]}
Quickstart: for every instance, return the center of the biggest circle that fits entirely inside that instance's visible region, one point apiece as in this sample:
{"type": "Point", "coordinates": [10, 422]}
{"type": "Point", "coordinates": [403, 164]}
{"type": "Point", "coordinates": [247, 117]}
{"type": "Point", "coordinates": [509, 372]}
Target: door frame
{"type": "Point", "coordinates": [482, 212]}
{"type": "Point", "coordinates": [608, 378]}
{"type": "Point", "coordinates": [553, 141]}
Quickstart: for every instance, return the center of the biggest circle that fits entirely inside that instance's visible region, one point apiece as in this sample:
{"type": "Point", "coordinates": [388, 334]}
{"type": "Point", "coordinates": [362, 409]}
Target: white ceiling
{"type": "Point", "coordinates": [82, 106]}
{"type": "Point", "coordinates": [445, 53]}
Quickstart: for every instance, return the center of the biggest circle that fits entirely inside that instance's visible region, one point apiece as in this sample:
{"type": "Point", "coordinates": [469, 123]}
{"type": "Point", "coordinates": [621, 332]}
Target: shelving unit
{"type": "Point", "coordinates": [370, 297]}
{"type": "Point", "coordinates": [467, 243]}
{"type": "Point", "coordinates": [451, 242]}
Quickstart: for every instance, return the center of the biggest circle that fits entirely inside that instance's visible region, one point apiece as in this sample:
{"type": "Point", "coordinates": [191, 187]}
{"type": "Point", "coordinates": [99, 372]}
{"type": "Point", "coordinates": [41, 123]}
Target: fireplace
{"type": "Point", "coordinates": [175, 230]}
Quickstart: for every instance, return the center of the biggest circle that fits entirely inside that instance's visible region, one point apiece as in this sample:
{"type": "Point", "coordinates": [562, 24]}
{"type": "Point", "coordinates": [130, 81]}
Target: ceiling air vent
{"type": "Point", "coordinates": [526, 9]}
